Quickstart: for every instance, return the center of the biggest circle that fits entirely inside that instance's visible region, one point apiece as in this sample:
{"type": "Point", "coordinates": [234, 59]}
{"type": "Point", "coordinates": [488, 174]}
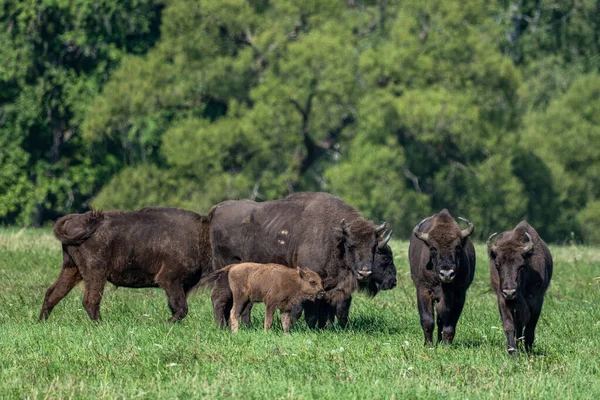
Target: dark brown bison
{"type": "Point", "coordinates": [442, 266]}
{"type": "Point", "coordinates": [315, 230]}
{"type": "Point", "coordinates": [383, 277]}
{"type": "Point", "coordinates": [520, 271]}
{"type": "Point", "coordinates": [154, 247]}
{"type": "Point", "coordinates": [278, 286]}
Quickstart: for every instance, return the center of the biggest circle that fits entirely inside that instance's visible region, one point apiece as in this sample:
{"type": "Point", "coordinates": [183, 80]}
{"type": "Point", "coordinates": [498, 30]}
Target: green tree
{"type": "Point", "coordinates": [55, 57]}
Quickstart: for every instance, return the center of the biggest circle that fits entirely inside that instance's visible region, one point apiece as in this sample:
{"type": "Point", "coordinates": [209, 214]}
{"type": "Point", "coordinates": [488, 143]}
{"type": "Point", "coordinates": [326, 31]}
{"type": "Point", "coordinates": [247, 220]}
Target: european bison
{"type": "Point", "coordinates": [279, 287]}
{"type": "Point", "coordinates": [153, 247]}
{"type": "Point", "coordinates": [520, 271]}
{"type": "Point", "coordinates": [383, 277]}
{"type": "Point", "coordinates": [442, 266]}
{"type": "Point", "coordinates": [315, 230]}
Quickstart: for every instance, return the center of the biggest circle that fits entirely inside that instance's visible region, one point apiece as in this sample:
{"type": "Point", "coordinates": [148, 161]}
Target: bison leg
{"type": "Point", "coordinates": [246, 314]}
{"type": "Point", "coordinates": [222, 300]}
{"type": "Point", "coordinates": [286, 320]}
{"type": "Point", "coordinates": [296, 313]}
{"type": "Point", "coordinates": [425, 304]}
{"type": "Point", "coordinates": [324, 310]}
{"type": "Point", "coordinates": [177, 301]}
{"type": "Point", "coordinates": [448, 314]}
{"type": "Point", "coordinates": [236, 311]}
{"type": "Point", "coordinates": [92, 296]}
{"type": "Point", "coordinates": [342, 311]}
{"type": "Point", "coordinates": [508, 324]}
{"type": "Point", "coordinates": [310, 313]}
{"type": "Point", "coordinates": [67, 279]}
{"type": "Point", "coordinates": [269, 313]}
{"type": "Point", "coordinates": [530, 327]}
{"type": "Point", "coordinates": [221, 308]}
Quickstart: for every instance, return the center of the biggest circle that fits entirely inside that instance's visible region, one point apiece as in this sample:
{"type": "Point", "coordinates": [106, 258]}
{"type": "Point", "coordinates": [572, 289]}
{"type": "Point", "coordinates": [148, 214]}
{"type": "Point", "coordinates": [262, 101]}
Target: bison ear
{"type": "Point", "coordinates": [300, 272]}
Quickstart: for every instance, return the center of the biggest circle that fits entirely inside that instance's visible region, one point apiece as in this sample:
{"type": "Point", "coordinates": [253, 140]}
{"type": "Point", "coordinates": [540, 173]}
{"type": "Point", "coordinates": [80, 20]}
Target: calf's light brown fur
{"type": "Point", "coordinates": [278, 286]}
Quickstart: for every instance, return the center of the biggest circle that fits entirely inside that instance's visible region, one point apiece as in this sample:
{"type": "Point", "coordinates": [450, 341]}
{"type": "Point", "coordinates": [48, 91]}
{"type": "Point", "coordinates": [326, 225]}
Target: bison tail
{"type": "Point", "coordinates": [74, 229]}
{"type": "Point", "coordinates": [214, 276]}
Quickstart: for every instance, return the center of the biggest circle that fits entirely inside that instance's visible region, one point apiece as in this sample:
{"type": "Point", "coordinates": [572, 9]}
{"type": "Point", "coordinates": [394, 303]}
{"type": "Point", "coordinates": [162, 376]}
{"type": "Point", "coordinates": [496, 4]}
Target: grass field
{"type": "Point", "coordinates": [134, 352]}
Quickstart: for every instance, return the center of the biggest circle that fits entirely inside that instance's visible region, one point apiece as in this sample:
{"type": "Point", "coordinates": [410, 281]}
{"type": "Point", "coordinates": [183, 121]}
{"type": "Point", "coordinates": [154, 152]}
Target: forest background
{"type": "Point", "coordinates": [488, 108]}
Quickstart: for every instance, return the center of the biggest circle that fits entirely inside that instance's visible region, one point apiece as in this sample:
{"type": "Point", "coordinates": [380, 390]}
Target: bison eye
{"type": "Point", "coordinates": [432, 251]}
{"type": "Point", "coordinates": [313, 283]}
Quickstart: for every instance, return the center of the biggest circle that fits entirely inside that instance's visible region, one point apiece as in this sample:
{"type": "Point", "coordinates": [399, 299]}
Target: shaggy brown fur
{"type": "Point", "coordinates": [279, 287]}
{"type": "Point", "coordinates": [382, 278]}
{"type": "Point", "coordinates": [154, 247]}
{"type": "Point", "coordinates": [315, 230]}
{"type": "Point", "coordinates": [520, 272]}
{"type": "Point", "coordinates": [442, 266]}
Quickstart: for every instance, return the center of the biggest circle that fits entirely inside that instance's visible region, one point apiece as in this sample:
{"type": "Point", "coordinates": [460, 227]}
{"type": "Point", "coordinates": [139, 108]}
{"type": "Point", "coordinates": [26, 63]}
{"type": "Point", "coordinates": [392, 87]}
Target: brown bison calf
{"type": "Point", "coordinates": [520, 271]}
{"type": "Point", "coordinates": [442, 266]}
{"type": "Point", "coordinates": [279, 287]}
{"type": "Point", "coordinates": [154, 247]}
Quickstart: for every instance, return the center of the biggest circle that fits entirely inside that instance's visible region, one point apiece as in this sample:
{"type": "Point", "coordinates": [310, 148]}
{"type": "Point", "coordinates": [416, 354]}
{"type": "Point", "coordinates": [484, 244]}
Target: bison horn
{"type": "Point", "coordinates": [380, 228]}
{"type": "Point", "coordinates": [492, 247]}
{"type": "Point", "coordinates": [344, 226]}
{"type": "Point", "coordinates": [421, 235]}
{"type": "Point", "coordinates": [529, 246]}
{"type": "Point", "coordinates": [385, 240]}
{"type": "Point", "coordinates": [468, 230]}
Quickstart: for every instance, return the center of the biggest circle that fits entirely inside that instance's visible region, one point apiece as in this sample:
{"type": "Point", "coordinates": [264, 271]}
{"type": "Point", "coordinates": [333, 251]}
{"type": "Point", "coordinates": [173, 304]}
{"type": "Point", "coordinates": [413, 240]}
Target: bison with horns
{"type": "Point", "coordinates": [317, 231]}
{"type": "Point", "coordinates": [442, 266]}
{"type": "Point", "coordinates": [520, 271]}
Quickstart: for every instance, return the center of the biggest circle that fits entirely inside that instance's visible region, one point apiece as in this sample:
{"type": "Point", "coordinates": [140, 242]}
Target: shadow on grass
{"type": "Point", "coordinates": [372, 324]}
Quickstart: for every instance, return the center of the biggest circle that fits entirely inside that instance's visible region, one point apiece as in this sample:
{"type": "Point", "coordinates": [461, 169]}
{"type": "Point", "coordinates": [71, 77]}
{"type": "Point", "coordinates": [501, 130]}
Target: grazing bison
{"type": "Point", "coordinates": [520, 271]}
{"type": "Point", "coordinates": [154, 247]}
{"type": "Point", "coordinates": [442, 265]}
{"type": "Point", "coordinates": [278, 286]}
{"type": "Point", "coordinates": [315, 230]}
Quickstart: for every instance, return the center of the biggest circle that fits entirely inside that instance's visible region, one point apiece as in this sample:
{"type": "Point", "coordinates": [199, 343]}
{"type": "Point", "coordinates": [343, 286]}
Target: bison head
{"type": "Point", "coordinates": [357, 244]}
{"type": "Point", "coordinates": [509, 257]}
{"type": "Point", "coordinates": [383, 276]}
{"type": "Point", "coordinates": [312, 286]}
{"type": "Point", "coordinates": [445, 240]}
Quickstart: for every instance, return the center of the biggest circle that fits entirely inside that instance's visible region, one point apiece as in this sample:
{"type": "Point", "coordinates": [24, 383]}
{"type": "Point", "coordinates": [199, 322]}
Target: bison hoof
{"type": "Point", "coordinates": [512, 350]}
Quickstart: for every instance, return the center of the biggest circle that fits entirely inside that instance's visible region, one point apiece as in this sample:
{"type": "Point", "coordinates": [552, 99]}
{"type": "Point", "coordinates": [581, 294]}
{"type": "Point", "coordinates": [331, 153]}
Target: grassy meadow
{"type": "Point", "coordinates": [134, 352]}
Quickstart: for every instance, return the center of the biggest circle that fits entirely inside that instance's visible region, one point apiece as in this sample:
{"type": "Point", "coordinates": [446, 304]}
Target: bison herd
{"type": "Point", "coordinates": [306, 253]}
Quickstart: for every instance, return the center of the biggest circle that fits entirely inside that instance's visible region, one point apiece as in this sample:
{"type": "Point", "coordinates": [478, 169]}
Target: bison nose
{"type": "Point", "coordinates": [509, 294]}
{"type": "Point", "coordinates": [364, 274]}
{"type": "Point", "coordinates": [320, 294]}
{"type": "Point", "coordinates": [447, 275]}
{"type": "Point", "coordinates": [394, 283]}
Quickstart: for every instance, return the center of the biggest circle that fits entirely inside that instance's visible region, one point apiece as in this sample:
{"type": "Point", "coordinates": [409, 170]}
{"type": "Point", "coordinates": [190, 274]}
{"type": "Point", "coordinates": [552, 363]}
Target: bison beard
{"type": "Point", "coordinates": [520, 272]}
{"type": "Point", "coordinates": [382, 278]}
{"type": "Point", "coordinates": [154, 247]}
{"type": "Point", "coordinates": [315, 230]}
{"type": "Point", "coordinates": [442, 266]}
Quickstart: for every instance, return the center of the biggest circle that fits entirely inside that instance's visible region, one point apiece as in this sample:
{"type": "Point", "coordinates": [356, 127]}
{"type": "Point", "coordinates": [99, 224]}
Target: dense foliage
{"type": "Point", "coordinates": [488, 108]}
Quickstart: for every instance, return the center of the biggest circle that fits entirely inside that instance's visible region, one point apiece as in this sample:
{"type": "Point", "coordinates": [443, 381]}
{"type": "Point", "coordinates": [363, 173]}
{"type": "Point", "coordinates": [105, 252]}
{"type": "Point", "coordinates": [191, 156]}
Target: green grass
{"type": "Point", "coordinates": [134, 352]}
